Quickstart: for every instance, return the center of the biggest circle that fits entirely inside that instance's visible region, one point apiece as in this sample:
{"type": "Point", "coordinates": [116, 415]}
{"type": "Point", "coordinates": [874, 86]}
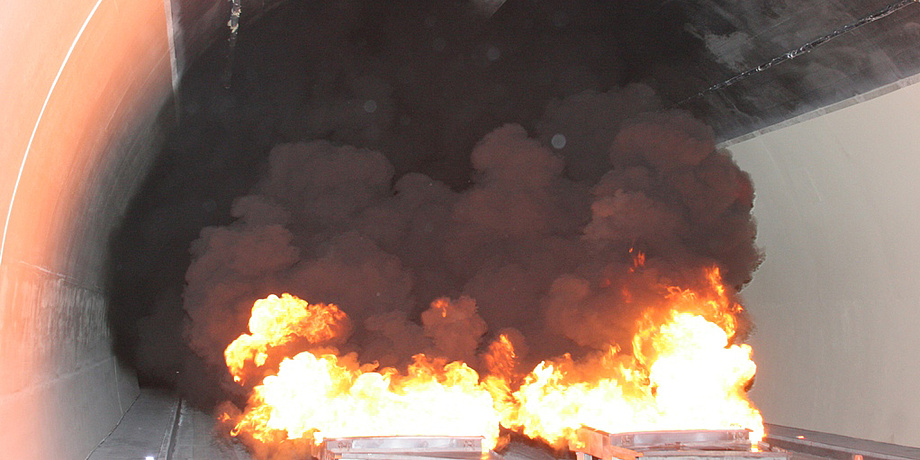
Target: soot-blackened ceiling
{"type": "Point", "coordinates": [680, 47]}
{"type": "Point", "coordinates": [683, 48]}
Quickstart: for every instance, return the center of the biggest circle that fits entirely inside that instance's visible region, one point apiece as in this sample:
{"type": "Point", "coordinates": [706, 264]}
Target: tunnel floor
{"type": "Point", "coordinates": [158, 426]}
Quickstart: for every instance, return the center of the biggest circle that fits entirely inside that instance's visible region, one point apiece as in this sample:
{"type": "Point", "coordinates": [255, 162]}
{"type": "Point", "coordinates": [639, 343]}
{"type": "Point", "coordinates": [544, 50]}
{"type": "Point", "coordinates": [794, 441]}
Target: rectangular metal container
{"type": "Point", "coordinates": [669, 445]}
{"type": "Point", "coordinates": [683, 439]}
{"type": "Point", "coordinates": [402, 448]}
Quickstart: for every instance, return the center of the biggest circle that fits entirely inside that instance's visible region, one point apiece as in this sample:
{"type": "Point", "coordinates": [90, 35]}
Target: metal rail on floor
{"type": "Point", "coordinates": [836, 447]}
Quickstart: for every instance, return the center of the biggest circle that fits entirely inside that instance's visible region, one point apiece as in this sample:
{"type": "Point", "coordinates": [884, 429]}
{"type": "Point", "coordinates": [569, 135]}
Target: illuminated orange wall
{"type": "Point", "coordinates": [82, 83]}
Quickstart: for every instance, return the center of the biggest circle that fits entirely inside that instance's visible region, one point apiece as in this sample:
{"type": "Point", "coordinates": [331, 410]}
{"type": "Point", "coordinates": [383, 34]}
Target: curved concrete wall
{"type": "Point", "coordinates": [82, 83]}
{"type": "Point", "coordinates": [836, 302]}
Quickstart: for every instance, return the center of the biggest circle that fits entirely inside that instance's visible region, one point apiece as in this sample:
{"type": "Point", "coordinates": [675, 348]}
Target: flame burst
{"type": "Point", "coordinates": [320, 396]}
{"type": "Point", "coordinates": [277, 321]}
{"type": "Point", "coordinates": [694, 380]}
{"type": "Point", "coordinates": [684, 373]}
{"type": "Point", "coordinates": [315, 395]}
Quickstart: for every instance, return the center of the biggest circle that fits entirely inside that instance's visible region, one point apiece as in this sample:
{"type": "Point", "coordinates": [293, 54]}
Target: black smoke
{"type": "Point", "coordinates": [531, 248]}
{"type": "Point", "coordinates": [381, 155]}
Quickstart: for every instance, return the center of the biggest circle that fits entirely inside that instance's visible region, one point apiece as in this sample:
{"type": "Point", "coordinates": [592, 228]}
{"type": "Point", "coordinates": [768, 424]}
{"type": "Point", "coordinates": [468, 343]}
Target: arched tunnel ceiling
{"type": "Point", "coordinates": [680, 47]}
{"type": "Point", "coordinates": [706, 42]}
{"type": "Point", "coordinates": [743, 35]}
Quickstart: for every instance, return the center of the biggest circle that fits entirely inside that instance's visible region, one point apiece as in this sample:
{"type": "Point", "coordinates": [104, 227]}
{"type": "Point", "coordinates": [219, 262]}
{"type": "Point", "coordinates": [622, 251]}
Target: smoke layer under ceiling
{"type": "Point", "coordinates": [421, 82]}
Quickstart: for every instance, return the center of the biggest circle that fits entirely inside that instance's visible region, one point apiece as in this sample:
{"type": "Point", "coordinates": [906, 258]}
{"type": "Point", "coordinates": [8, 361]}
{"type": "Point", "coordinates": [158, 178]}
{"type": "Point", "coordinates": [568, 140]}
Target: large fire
{"type": "Point", "coordinates": [684, 372]}
{"type": "Point", "coordinates": [694, 380]}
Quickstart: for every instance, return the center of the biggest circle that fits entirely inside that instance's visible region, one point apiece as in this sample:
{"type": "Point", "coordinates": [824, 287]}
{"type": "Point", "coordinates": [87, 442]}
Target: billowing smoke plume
{"type": "Point", "coordinates": [424, 150]}
{"type": "Point", "coordinates": [544, 240]}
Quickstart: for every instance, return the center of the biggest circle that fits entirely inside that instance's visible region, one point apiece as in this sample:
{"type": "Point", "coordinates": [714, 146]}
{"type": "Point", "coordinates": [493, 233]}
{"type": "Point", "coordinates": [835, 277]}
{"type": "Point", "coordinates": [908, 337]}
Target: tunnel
{"type": "Point", "coordinates": [131, 126]}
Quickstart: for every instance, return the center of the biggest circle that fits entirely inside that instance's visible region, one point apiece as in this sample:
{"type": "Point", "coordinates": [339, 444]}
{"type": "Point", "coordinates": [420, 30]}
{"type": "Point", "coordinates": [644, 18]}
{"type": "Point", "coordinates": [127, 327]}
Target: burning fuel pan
{"type": "Point", "coordinates": [669, 445]}
{"type": "Point", "coordinates": [674, 440]}
{"type": "Point", "coordinates": [405, 448]}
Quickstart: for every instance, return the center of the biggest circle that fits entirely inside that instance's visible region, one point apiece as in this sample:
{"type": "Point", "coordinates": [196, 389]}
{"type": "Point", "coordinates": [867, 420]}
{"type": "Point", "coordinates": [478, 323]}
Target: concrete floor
{"type": "Point", "coordinates": [159, 427]}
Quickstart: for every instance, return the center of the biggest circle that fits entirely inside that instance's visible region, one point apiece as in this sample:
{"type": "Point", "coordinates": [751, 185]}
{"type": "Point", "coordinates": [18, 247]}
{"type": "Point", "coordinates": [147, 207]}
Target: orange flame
{"type": "Point", "coordinates": [695, 380]}
{"type": "Point", "coordinates": [277, 321]}
{"type": "Point", "coordinates": [638, 260]}
{"type": "Point", "coordinates": [684, 373]}
{"type": "Point", "coordinates": [500, 359]}
{"type": "Point", "coordinates": [319, 396]}
{"type": "Point", "coordinates": [441, 306]}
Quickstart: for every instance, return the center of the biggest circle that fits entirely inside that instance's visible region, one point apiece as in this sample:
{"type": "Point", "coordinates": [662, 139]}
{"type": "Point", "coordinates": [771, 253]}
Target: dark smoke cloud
{"type": "Point", "coordinates": [383, 155]}
{"type": "Point", "coordinates": [526, 246]}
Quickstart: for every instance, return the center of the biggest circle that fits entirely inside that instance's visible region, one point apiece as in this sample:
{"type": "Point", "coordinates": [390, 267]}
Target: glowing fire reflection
{"type": "Point", "coordinates": [684, 373]}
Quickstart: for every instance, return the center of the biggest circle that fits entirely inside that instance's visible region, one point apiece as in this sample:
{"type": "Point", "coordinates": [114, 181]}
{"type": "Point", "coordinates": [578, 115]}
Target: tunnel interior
{"type": "Point", "coordinates": [441, 77]}
{"type": "Point", "coordinates": [424, 84]}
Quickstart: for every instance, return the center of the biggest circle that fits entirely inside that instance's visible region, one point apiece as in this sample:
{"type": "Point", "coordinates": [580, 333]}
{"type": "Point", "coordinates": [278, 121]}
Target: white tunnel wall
{"type": "Point", "coordinates": [836, 304]}
{"type": "Point", "coordinates": [82, 84]}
